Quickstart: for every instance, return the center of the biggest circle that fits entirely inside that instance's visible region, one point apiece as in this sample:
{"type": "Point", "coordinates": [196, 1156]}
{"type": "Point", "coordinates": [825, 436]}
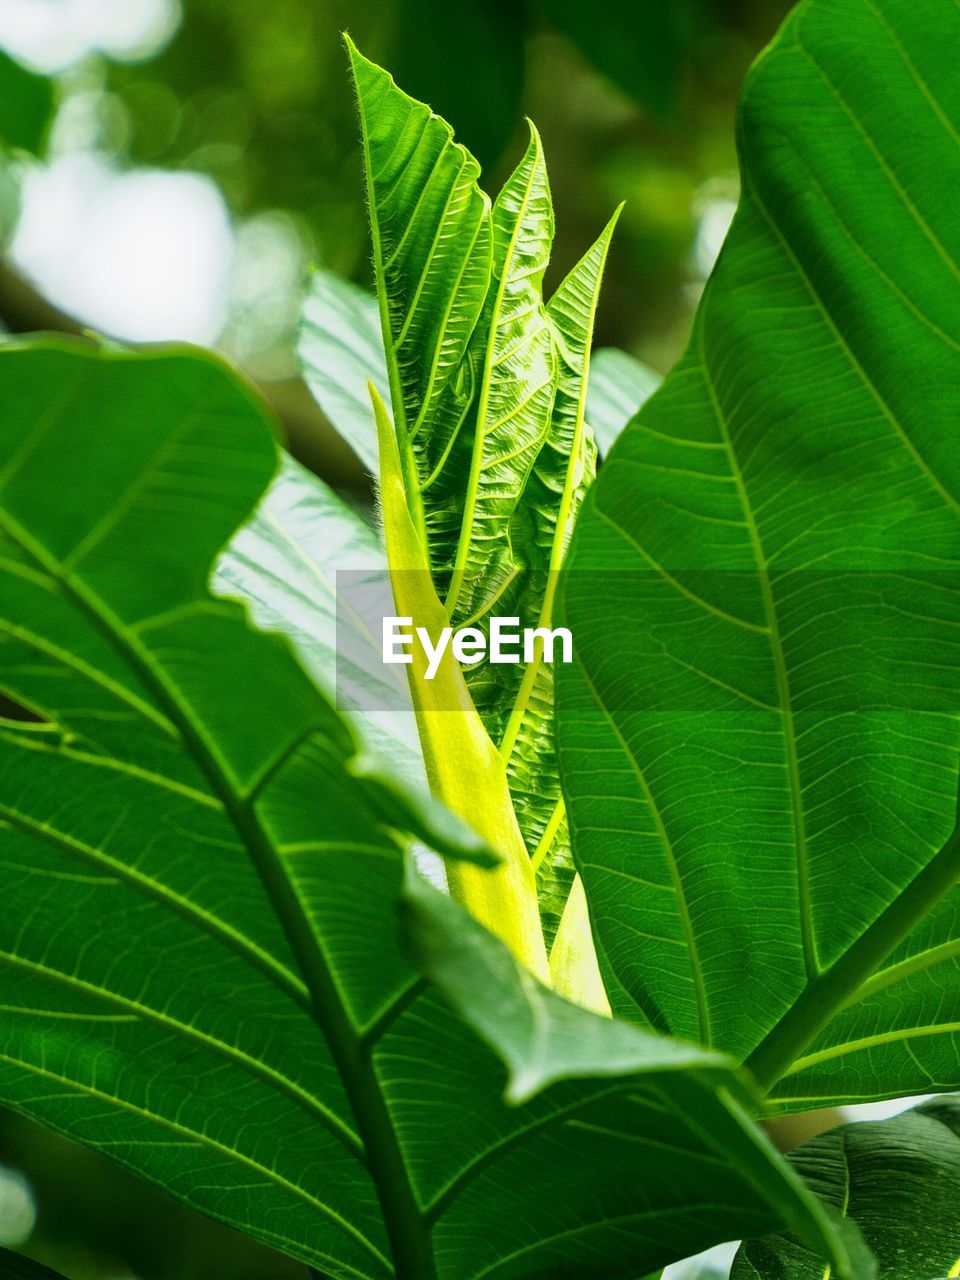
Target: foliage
{"type": "Point", "coordinates": [489, 414]}
{"type": "Point", "coordinates": [190, 981]}
{"type": "Point", "coordinates": [774, 719]}
{"type": "Point", "coordinates": [225, 966]}
{"type": "Point", "coordinates": [898, 1179]}
{"type": "Point", "coordinates": [254, 95]}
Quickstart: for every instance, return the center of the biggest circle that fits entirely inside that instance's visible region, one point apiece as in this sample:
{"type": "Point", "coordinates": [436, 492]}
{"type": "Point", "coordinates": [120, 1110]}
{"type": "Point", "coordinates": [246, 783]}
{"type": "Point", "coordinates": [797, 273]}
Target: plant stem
{"type": "Point", "coordinates": [831, 990]}
{"type": "Point", "coordinates": [464, 768]}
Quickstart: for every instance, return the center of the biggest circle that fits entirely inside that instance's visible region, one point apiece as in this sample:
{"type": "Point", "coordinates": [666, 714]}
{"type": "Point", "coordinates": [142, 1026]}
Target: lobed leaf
{"type": "Point", "coordinates": [203, 973]}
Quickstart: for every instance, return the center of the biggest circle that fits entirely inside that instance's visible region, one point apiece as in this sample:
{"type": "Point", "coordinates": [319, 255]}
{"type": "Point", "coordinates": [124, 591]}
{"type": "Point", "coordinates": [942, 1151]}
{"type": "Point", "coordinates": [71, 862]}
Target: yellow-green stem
{"type": "Point", "coordinates": [464, 768]}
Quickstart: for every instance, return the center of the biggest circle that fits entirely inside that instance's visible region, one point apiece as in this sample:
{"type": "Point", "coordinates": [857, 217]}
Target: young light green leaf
{"type": "Point", "coordinates": [898, 1180]}
{"type": "Point", "coordinates": [540, 532]}
{"type": "Point", "coordinates": [498, 479]}
{"type": "Point", "coordinates": [432, 251]}
{"type": "Point", "coordinates": [760, 757]}
{"type": "Point", "coordinates": [518, 380]}
{"type": "Point", "coordinates": [341, 349]}
{"type": "Point", "coordinates": [462, 763]}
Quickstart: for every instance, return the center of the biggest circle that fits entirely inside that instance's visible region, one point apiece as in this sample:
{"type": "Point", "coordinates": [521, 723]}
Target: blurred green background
{"type": "Point", "coordinates": [173, 170]}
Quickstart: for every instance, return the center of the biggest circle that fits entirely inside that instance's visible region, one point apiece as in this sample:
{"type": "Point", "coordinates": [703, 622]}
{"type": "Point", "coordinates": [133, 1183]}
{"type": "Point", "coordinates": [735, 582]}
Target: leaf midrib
{"type": "Point", "coordinates": [775, 640]}
{"type": "Point", "coordinates": [834, 988]}
{"type": "Point", "coordinates": [473, 479]}
{"type": "Point", "coordinates": [410, 1241]}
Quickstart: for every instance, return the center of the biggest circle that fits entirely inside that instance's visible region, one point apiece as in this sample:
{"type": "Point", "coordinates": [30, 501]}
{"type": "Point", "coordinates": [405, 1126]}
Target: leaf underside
{"type": "Point", "coordinates": [761, 757]}
{"type": "Point", "coordinates": [284, 564]}
{"type": "Point", "coordinates": [620, 385]}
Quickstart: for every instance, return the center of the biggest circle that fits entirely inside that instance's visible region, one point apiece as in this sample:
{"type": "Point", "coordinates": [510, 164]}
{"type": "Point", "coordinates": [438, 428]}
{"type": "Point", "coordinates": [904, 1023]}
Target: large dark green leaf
{"type": "Point", "coordinates": [203, 974]}
{"type": "Point", "coordinates": [169, 878]}
{"type": "Point", "coordinates": [759, 739]}
{"type": "Point", "coordinates": [898, 1180]}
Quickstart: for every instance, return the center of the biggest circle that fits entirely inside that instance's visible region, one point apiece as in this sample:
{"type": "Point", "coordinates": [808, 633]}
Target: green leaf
{"type": "Point", "coordinates": [283, 563]}
{"type": "Point", "coordinates": [432, 249]}
{"type": "Point", "coordinates": [898, 1180]}
{"type": "Point", "coordinates": [14, 1266]}
{"type": "Point", "coordinates": [465, 771]}
{"type": "Point", "coordinates": [203, 974]}
{"type": "Point", "coordinates": [520, 713]}
{"type": "Point", "coordinates": [759, 738]}
{"type": "Point", "coordinates": [155, 1003]}
{"type": "Point", "coordinates": [620, 385]}
{"type": "Point", "coordinates": [488, 385]}
{"type": "Point", "coordinates": [340, 350]}
{"type": "Point", "coordinates": [26, 106]}
{"type": "Point", "coordinates": [647, 1118]}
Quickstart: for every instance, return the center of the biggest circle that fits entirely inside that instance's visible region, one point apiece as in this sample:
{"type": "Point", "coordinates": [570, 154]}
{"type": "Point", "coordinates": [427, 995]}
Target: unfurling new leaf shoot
{"type": "Point", "coordinates": [494, 455]}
